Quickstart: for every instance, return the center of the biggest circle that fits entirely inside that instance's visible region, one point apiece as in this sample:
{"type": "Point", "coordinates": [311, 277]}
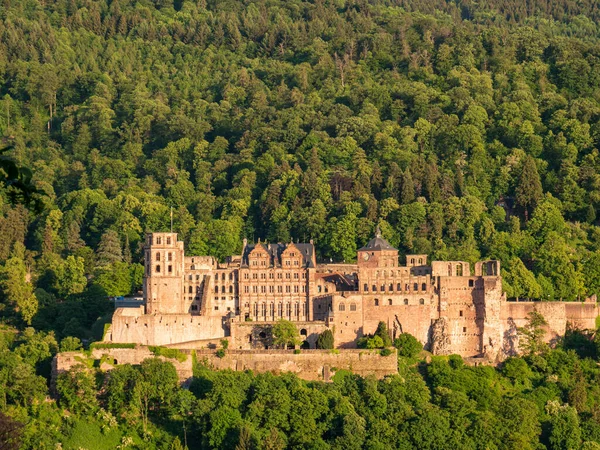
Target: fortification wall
{"type": "Point", "coordinates": [131, 325]}
{"type": "Point", "coordinates": [414, 318]}
{"type": "Point", "coordinates": [513, 315]}
{"type": "Point", "coordinates": [114, 356]}
{"type": "Point", "coordinates": [308, 365]}
{"type": "Point", "coordinates": [257, 335]}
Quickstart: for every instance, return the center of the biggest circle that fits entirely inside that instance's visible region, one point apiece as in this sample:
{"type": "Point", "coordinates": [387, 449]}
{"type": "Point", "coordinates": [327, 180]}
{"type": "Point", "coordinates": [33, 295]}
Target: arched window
{"type": "Point", "coordinates": [352, 306]}
{"type": "Point", "coordinates": [399, 286]}
{"type": "Point", "coordinates": [391, 287]}
{"type": "Point", "coordinates": [374, 288]}
{"type": "Point", "coordinates": [416, 287]}
{"type": "Point", "coordinates": [421, 301]}
{"type": "Point", "coordinates": [230, 276]}
{"type": "Point", "coordinates": [389, 301]}
{"type": "Point", "coordinates": [412, 261]}
{"type": "Point", "coordinates": [342, 307]}
{"type": "Point", "coordinates": [303, 332]}
{"type": "Point", "coordinates": [216, 289]}
{"type": "Point", "coordinates": [383, 288]}
{"type": "Point", "coordinates": [222, 289]}
{"type": "Point", "coordinates": [158, 241]}
{"type": "Point", "coordinates": [223, 276]}
{"type": "Point", "coordinates": [459, 270]}
{"type": "Point", "coordinates": [420, 261]}
{"type": "Point", "coordinates": [376, 302]}
{"type": "Point", "coordinates": [168, 241]}
{"type": "Point", "coordinates": [189, 289]}
{"type": "Point", "coordinates": [158, 268]}
{"type": "Point", "coordinates": [424, 287]}
{"type": "Point", "coordinates": [231, 289]}
{"type": "Point", "coordinates": [406, 301]}
{"type": "Point", "coordinates": [366, 287]}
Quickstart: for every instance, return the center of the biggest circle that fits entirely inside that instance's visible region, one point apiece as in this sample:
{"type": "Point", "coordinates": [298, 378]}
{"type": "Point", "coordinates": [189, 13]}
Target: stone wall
{"type": "Point", "coordinates": [257, 335]}
{"type": "Point", "coordinates": [308, 364]}
{"type": "Point", "coordinates": [131, 325]}
{"type": "Point", "coordinates": [63, 362]}
{"type": "Point", "coordinates": [513, 315]}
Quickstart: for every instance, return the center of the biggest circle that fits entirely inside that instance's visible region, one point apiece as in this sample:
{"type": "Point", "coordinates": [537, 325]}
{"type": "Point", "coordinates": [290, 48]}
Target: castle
{"type": "Point", "coordinates": [195, 301]}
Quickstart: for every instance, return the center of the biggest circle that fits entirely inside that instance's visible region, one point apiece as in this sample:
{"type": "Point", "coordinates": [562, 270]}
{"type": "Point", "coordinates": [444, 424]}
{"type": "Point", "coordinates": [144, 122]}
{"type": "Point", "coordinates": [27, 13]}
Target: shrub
{"type": "Point", "coordinates": [98, 345]}
{"type": "Point", "coordinates": [325, 340]}
{"type": "Point", "coordinates": [225, 344]}
{"type": "Point", "coordinates": [297, 351]}
{"type": "Point", "coordinates": [221, 353]}
{"type": "Point", "coordinates": [171, 353]}
{"type": "Point", "coordinates": [386, 352]}
{"type": "Point", "coordinates": [408, 345]}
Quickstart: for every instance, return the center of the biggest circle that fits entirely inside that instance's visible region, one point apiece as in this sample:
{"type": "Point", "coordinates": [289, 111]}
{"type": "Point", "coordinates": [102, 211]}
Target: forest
{"type": "Point", "coordinates": [465, 130]}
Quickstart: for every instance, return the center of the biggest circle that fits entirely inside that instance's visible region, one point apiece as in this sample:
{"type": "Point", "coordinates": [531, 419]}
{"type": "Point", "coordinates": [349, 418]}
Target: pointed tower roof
{"type": "Point", "coordinates": [378, 243]}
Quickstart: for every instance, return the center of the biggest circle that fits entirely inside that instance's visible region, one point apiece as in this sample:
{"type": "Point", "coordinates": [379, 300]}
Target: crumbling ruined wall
{"type": "Point", "coordinates": [514, 315]}
{"type": "Point", "coordinates": [111, 357]}
{"type": "Point", "coordinates": [131, 325]}
{"type": "Point", "coordinates": [308, 364]}
{"type": "Point", "coordinates": [414, 318]}
{"type": "Point", "coordinates": [258, 335]}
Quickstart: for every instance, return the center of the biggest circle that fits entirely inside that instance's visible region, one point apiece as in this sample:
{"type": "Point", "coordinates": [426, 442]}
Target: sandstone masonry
{"type": "Point", "coordinates": [192, 302]}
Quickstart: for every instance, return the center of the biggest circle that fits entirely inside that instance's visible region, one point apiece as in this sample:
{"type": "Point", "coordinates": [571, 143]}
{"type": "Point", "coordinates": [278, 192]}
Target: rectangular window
{"type": "Point", "coordinates": [246, 289]}
{"type": "Point", "coordinates": [271, 289]}
{"type": "Point", "coordinates": [296, 289]}
{"type": "Point", "coordinates": [255, 276]}
{"type": "Point", "coordinates": [255, 289]}
{"type": "Point", "coordinates": [263, 289]}
{"type": "Point", "coordinates": [295, 276]}
{"type": "Point", "coordinates": [169, 256]}
{"type": "Point", "coordinates": [287, 276]}
{"type": "Point", "coordinates": [287, 289]}
{"type": "Point", "coordinates": [270, 275]}
{"type": "Point", "coordinates": [170, 269]}
{"type": "Point", "coordinates": [464, 329]}
{"type": "Point", "coordinates": [460, 313]}
{"type": "Point", "coordinates": [279, 289]}
{"type": "Point", "coordinates": [471, 283]}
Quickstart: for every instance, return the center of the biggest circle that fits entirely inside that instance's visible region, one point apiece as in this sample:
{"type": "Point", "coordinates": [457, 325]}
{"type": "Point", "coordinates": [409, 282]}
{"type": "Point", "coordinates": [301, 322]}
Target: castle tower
{"type": "Point", "coordinates": [377, 253]}
{"type": "Point", "coordinates": [163, 275]}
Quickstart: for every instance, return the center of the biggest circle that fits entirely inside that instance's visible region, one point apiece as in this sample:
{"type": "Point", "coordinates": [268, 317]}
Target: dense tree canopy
{"type": "Point", "coordinates": [466, 130]}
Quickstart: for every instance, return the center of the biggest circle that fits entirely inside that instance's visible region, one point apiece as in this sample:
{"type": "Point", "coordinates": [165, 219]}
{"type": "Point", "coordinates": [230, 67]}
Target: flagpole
{"type": "Point", "coordinates": [171, 219]}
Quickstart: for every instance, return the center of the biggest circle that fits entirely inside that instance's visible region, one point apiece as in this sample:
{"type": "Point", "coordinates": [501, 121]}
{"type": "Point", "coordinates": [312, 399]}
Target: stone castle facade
{"type": "Point", "coordinates": [451, 307]}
